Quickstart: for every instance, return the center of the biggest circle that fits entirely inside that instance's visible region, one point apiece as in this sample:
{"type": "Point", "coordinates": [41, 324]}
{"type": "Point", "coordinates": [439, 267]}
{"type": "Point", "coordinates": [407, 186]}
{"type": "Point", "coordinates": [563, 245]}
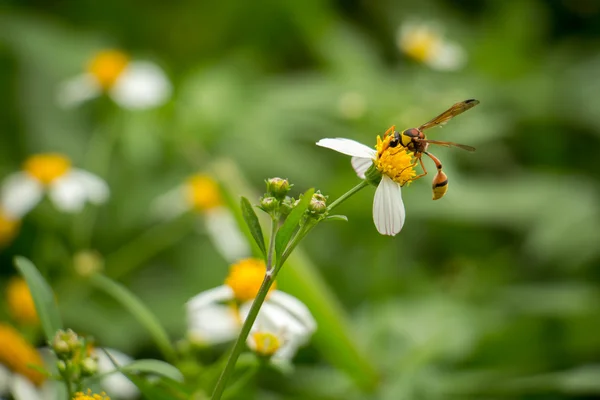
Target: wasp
{"type": "Point", "coordinates": [414, 140]}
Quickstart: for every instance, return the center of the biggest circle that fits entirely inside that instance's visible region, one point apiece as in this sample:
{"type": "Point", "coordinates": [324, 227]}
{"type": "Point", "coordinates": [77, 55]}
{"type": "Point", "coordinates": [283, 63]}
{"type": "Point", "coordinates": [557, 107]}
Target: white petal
{"type": "Point", "coordinates": [115, 382]}
{"type": "Point", "coordinates": [295, 307]}
{"type": "Point", "coordinates": [361, 165]}
{"type": "Point", "coordinates": [22, 389]}
{"type": "Point", "coordinates": [5, 378]}
{"type": "Point", "coordinates": [212, 324]}
{"type": "Point", "coordinates": [67, 194]}
{"type": "Point", "coordinates": [448, 57]}
{"type": "Point", "coordinates": [348, 147]}
{"type": "Point", "coordinates": [78, 89]}
{"type": "Point", "coordinates": [170, 204]}
{"type": "Point", "coordinates": [20, 193]}
{"type": "Point", "coordinates": [96, 189]}
{"type": "Point", "coordinates": [208, 297]}
{"type": "Point", "coordinates": [225, 234]}
{"type": "Point", "coordinates": [142, 85]}
{"type": "Point", "coordinates": [388, 208]}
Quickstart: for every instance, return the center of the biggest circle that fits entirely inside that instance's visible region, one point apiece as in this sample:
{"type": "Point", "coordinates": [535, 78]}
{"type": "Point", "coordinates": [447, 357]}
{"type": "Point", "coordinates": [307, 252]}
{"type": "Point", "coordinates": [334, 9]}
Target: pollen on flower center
{"type": "Point", "coordinates": [47, 167]}
{"type": "Point", "coordinates": [395, 162]}
{"type": "Point", "coordinates": [20, 302]}
{"type": "Point", "coordinates": [107, 66]}
{"type": "Point", "coordinates": [245, 278]}
{"type": "Point", "coordinates": [420, 43]}
{"type": "Point", "coordinates": [18, 355]}
{"type": "Point", "coordinates": [90, 396]}
{"type": "Point", "coordinates": [266, 343]}
{"type": "Point", "coordinates": [203, 192]}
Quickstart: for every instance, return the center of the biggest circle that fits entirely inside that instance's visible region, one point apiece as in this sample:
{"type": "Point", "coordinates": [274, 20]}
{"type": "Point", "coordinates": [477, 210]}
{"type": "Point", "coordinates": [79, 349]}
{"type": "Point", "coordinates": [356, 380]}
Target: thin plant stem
{"type": "Point", "coordinates": [346, 195]}
{"type": "Point", "coordinates": [252, 314]}
{"type": "Point", "coordinates": [271, 251]}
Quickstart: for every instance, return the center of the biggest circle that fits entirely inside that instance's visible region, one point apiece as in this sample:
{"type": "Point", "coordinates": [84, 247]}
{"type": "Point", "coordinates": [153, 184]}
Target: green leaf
{"type": "Point", "coordinates": [253, 224]}
{"type": "Point", "coordinates": [138, 310]}
{"type": "Point", "coordinates": [43, 297]}
{"type": "Point", "coordinates": [153, 367]}
{"type": "Point", "coordinates": [291, 223]}
{"type": "Point", "coordinates": [156, 390]}
{"type": "Point", "coordinates": [336, 218]}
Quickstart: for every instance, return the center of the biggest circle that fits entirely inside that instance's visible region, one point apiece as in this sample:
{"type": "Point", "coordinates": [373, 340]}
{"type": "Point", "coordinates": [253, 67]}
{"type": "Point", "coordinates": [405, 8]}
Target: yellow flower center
{"type": "Point", "coordinates": [203, 192]}
{"type": "Point", "coordinates": [421, 43]}
{"type": "Point", "coordinates": [47, 167]}
{"type": "Point", "coordinates": [107, 66]}
{"type": "Point", "coordinates": [8, 228]}
{"type": "Point", "coordinates": [266, 343]}
{"type": "Point", "coordinates": [18, 355]}
{"type": "Point", "coordinates": [90, 396]}
{"type": "Point", "coordinates": [245, 278]}
{"type": "Point", "coordinates": [395, 162]}
{"type": "Point", "coordinates": [20, 302]}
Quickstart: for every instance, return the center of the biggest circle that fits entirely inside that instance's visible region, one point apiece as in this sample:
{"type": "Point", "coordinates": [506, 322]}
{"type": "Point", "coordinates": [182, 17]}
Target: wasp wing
{"type": "Point", "coordinates": [448, 144]}
{"type": "Point", "coordinates": [450, 113]}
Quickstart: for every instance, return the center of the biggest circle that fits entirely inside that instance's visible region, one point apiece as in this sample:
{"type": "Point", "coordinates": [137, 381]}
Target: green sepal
{"type": "Point", "coordinates": [373, 176]}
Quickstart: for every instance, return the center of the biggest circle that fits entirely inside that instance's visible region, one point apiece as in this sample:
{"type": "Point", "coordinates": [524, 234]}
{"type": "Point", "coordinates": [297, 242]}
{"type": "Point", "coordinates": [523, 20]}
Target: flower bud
{"type": "Point", "coordinates": [318, 204]}
{"type": "Point", "coordinates": [278, 188]}
{"type": "Point", "coordinates": [269, 204]}
{"type": "Point", "coordinates": [88, 262]}
{"type": "Point", "coordinates": [89, 366]}
{"type": "Point", "coordinates": [61, 366]}
{"type": "Point", "coordinates": [287, 205]}
{"type": "Point", "coordinates": [65, 344]}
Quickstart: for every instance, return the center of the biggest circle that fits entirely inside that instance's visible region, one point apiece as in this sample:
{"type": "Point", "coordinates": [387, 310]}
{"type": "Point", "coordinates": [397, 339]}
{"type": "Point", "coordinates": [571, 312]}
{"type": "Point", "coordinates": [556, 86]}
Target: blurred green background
{"type": "Point", "coordinates": [490, 292]}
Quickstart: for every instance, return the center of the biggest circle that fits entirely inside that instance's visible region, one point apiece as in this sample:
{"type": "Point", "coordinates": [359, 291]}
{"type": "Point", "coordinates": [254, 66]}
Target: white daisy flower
{"type": "Point", "coordinates": [132, 85]}
{"type": "Point", "coordinates": [216, 315]}
{"type": "Point", "coordinates": [202, 194]}
{"type": "Point", "coordinates": [115, 382]}
{"type": "Point", "coordinates": [425, 43]}
{"type": "Point", "coordinates": [393, 167]}
{"type": "Point", "coordinates": [68, 188]}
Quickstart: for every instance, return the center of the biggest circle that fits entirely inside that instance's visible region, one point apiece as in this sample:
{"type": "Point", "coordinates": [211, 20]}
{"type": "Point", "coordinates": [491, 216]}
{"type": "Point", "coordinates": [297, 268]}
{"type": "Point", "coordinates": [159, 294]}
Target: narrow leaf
{"type": "Point", "coordinates": [155, 390]}
{"type": "Point", "coordinates": [153, 367]}
{"type": "Point", "coordinates": [139, 310]}
{"type": "Point", "coordinates": [43, 297]}
{"type": "Point", "coordinates": [291, 223]}
{"type": "Point", "coordinates": [336, 218]}
{"type": "Point", "coordinates": [253, 224]}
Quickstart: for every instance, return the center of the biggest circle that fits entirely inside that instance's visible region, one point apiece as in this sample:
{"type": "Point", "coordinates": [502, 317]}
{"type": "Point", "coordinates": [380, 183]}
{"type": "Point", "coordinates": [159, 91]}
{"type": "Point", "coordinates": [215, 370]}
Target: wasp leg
{"type": "Point", "coordinates": [440, 181]}
{"type": "Point", "coordinates": [413, 165]}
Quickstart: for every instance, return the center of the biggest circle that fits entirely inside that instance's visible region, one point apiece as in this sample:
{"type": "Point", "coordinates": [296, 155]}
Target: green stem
{"type": "Point", "coordinates": [274, 223]}
{"type": "Point", "coordinates": [252, 314]}
{"type": "Point", "coordinates": [346, 195]}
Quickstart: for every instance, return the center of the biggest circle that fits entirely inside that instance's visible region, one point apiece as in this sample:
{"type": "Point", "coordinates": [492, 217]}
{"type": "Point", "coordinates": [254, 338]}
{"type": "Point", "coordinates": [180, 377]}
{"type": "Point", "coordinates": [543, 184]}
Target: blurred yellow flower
{"type": "Point", "coordinates": [245, 278]}
{"type": "Point", "coordinates": [216, 315]}
{"type": "Point", "coordinates": [90, 396]}
{"type": "Point", "coordinates": [8, 228]}
{"type": "Point", "coordinates": [134, 85]}
{"type": "Point", "coordinates": [203, 193]}
{"type": "Point", "coordinates": [107, 65]}
{"type": "Point", "coordinates": [69, 188]}
{"type": "Point", "coordinates": [18, 356]}
{"type": "Point", "coordinates": [20, 302]}
{"type": "Point", "coordinates": [425, 43]}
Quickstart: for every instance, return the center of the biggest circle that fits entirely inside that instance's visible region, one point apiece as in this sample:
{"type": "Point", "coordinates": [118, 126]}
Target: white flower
{"type": "Point", "coordinates": [396, 169]}
{"type": "Point", "coordinates": [214, 316]}
{"type": "Point", "coordinates": [115, 383]}
{"type": "Point", "coordinates": [202, 194]}
{"type": "Point", "coordinates": [425, 43]}
{"type": "Point", "coordinates": [21, 388]}
{"type": "Point", "coordinates": [68, 188]}
{"type": "Point", "coordinates": [133, 85]}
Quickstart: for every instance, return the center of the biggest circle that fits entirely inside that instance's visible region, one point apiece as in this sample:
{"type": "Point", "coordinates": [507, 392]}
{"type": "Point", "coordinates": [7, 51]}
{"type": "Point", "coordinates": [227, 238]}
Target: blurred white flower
{"type": "Point", "coordinates": [395, 168]}
{"type": "Point", "coordinates": [200, 193]}
{"type": "Point", "coordinates": [283, 324]}
{"type": "Point", "coordinates": [115, 382]}
{"type": "Point", "coordinates": [133, 85]}
{"type": "Point", "coordinates": [425, 43]}
{"type": "Point", "coordinates": [68, 188]}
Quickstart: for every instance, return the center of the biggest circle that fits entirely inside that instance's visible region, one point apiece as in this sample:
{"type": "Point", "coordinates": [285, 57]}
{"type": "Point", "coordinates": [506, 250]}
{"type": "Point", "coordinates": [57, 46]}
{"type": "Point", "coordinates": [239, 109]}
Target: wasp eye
{"type": "Point", "coordinates": [396, 140]}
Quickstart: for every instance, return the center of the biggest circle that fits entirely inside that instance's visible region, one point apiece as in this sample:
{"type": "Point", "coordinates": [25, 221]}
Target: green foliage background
{"type": "Point", "coordinates": [490, 292]}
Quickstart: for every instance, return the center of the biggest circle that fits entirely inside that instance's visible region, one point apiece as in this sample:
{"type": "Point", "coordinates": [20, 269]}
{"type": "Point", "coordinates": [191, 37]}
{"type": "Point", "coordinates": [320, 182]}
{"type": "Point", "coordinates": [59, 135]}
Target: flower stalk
{"type": "Point", "coordinates": [272, 269]}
